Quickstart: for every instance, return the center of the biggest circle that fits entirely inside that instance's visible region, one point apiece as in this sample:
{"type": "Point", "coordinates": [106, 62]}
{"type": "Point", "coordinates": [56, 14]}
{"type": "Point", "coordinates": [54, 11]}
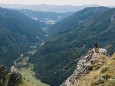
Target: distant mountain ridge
{"type": "Point", "coordinates": [48, 8]}
{"type": "Point", "coordinates": [48, 18]}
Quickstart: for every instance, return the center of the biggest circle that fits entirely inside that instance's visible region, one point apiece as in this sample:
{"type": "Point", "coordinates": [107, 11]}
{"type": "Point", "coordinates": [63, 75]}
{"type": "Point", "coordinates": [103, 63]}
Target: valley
{"type": "Point", "coordinates": [17, 33]}
{"type": "Point", "coordinates": [25, 68]}
{"type": "Point", "coordinates": [43, 48]}
{"type": "Point", "coordinates": [71, 38]}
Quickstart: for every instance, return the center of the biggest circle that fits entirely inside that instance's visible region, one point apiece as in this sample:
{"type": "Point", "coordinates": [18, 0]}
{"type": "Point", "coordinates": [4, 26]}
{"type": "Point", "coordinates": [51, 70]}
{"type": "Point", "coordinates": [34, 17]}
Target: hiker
{"type": "Point", "coordinates": [96, 49]}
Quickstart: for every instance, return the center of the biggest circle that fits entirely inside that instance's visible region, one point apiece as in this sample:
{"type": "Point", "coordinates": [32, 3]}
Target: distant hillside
{"type": "Point", "coordinates": [71, 38]}
{"type": "Point", "coordinates": [48, 8]}
{"type": "Point", "coordinates": [46, 17]}
{"type": "Point", "coordinates": [17, 32]}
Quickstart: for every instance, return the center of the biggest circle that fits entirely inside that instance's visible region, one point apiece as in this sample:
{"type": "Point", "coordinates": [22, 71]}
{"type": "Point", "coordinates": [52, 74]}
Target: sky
{"type": "Point", "coordinates": [60, 2]}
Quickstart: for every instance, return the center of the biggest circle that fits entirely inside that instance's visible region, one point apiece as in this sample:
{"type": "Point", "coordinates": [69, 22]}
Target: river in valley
{"type": "Point", "coordinates": [25, 68]}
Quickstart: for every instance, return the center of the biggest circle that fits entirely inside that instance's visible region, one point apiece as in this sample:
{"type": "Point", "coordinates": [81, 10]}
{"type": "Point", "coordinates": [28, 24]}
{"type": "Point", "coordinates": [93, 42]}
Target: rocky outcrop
{"type": "Point", "coordinates": [103, 73]}
{"type": "Point", "coordinates": [84, 66]}
{"type": "Point", "coordinates": [3, 75]}
{"type": "Point", "coordinates": [8, 78]}
{"type": "Point", "coordinates": [15, 79]}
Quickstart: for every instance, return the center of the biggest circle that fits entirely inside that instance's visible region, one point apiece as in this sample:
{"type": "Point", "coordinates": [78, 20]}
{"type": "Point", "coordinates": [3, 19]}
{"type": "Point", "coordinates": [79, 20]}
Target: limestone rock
{"type": "Point", "coordinates": [84, 66]}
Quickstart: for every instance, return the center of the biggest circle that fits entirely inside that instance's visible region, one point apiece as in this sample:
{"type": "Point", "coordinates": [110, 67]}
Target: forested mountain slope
{"type": "Point", "coordinates": [71, 38]}
{"type": "Point", "coordinates": [17, 32]}
{"type": "Point", "coordinates": [95, 24]}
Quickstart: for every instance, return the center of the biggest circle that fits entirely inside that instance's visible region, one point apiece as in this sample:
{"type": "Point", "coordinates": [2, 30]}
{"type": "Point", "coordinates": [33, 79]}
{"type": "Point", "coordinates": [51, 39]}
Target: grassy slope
{"type": "Point", "coordinates": [25, 83]}
{"type": "Point", "coordinates": [101, 75]}
{"type": "Point", "coordinates": [29, 75]}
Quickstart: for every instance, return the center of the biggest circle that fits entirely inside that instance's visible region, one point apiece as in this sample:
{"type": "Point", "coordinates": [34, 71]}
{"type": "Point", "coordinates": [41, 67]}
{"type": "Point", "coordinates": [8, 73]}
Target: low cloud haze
{"type": "Point", "coordinates": [60, 2]}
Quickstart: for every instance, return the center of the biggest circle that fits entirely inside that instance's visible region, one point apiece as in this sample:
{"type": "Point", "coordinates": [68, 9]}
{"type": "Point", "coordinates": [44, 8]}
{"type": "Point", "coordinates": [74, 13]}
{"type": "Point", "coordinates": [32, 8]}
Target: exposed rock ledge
{"type": "Point", "coordinates": [83, 66]}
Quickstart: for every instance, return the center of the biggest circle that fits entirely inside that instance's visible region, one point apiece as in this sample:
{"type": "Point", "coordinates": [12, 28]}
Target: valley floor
{"type": "Point", "coordinates": [26, 69]}
{"type": "Point", "coordinates": [29, 76]}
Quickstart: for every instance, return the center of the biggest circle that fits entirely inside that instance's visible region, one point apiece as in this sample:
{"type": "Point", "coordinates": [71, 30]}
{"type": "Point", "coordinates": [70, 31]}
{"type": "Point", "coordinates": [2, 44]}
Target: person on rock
{"type": "Point", "coordinates": [96, 48]}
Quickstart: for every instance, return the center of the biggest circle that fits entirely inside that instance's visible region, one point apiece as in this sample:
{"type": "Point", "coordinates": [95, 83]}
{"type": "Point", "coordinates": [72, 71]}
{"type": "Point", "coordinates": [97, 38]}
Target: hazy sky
{"type": "Point", "coordinates": [60, 2]}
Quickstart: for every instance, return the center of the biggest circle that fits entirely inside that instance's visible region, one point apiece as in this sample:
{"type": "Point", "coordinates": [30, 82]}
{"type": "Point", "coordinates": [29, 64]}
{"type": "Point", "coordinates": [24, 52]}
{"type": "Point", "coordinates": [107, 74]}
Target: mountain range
{"type": "Point", "coordinates": [66, 42]}
{"type": "Point", "coordinates": [48, 18]}
{"type": "Point", "coordinates": [71, 38]}
{"type": "Point", "coordinates": [48, 8]}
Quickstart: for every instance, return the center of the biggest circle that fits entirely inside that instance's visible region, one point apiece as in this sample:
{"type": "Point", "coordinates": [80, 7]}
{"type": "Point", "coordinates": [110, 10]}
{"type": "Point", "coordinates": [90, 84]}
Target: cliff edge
{"type": "Point", "coordinates": [84, 66]}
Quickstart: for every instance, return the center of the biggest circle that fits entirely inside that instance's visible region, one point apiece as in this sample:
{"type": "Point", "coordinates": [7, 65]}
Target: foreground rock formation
{"type": "Point", "coordinates": [102, 73]}
{"type": "Point", "coordinates": [85, 65]}
{"type": "Point", "coordinates": [8, 78]}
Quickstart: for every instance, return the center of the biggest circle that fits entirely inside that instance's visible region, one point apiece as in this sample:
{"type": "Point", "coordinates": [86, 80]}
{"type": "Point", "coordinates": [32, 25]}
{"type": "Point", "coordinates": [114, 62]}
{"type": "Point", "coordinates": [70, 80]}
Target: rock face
{"type": "Point", "coordinates": [3, 75]}
{"type": "Point", "coordinates": [8, 78]}
{"type": "Point", "coordinates": [84, 66]}
{"type": "Point", "coordinates": [14, 79]}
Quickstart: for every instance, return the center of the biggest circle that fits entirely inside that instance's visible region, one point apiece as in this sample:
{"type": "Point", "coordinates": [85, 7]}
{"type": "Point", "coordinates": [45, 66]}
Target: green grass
{"type": "Point", "coordinates": [103, 76]}
{"type": "Point", "coordinates": [29, 75]}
